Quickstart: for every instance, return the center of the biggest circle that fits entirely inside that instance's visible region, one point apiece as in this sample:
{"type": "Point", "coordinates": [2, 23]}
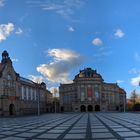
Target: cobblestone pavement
{"type": "Point", "coordinates": [72, 126]}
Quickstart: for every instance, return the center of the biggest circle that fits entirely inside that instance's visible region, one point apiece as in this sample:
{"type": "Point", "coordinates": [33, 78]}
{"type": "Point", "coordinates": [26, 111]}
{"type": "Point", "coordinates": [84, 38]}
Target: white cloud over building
{"type": "Point", "coordinates": [63, 61]}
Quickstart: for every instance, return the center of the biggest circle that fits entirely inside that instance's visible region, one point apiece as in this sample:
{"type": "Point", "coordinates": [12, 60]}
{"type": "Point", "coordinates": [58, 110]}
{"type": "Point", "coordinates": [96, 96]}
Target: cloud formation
{"type": "Point", "coordinates": [63, 62]}
{"type": "Point", "coordinates": [134, 71]}
{"type": "Point", "coordinates": [97, 42]}
{"type": "Point", "coordinates": [119, 33]}
{"type": "Point", "coordinates": [120, 81]}
{"type": "Point", "coordinates": [71, 29]}
{"type": "Point", "coordinates": [137, 56]}
{"type": "Point", "coordinates": [19, 31]}
{"type": "Point", "coordinates": [65, 8]}
{"type": "Point", "coordinates": [2, 3]}
{"type": "Point", "coordinates": [36, 79]}
{"type": "Point", "coordinates": [14, 60]}
{"type": "Point", "coordinates": [5, 30]}
{"type": "Point", "coordinates": [135, 81]}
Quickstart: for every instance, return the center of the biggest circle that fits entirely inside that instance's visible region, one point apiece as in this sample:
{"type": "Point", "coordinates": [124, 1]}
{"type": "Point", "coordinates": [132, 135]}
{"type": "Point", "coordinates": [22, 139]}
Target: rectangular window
{"type": "Point", "coordinates": [27, 93]}
{"type": "Point", "coordinates": [22, 92]}
{"type": "Point", "coordinates": [31, 93]}
{"type": "Point", "coordinates": [35, 95]}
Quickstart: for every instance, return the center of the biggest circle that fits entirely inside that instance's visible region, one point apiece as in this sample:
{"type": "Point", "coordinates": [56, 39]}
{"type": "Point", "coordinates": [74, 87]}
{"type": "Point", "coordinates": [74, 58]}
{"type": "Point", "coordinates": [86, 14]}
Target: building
{"type": "Point", "coordinates": [19, 95]}
{"type": "Point", "coordinates": [89, 92]}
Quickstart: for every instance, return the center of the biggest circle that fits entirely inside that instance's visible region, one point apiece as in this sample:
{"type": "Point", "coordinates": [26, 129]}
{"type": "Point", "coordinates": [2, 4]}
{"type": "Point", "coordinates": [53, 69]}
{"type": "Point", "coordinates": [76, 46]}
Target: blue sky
{"type": "Point", "coordinates": [51, 40]}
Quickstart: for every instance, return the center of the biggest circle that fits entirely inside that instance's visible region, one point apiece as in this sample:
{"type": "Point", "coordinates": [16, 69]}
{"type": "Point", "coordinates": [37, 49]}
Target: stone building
{"type": "Point", "coordinates": [89, 92]}
{"type": "Point", "coordinates": [19, 95]}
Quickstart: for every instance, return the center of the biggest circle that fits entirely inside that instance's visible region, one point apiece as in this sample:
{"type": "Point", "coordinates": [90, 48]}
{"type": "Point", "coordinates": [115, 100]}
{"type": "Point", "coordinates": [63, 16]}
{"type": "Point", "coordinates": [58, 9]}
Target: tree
{"type": "Point", "coordinates": [135, 99]}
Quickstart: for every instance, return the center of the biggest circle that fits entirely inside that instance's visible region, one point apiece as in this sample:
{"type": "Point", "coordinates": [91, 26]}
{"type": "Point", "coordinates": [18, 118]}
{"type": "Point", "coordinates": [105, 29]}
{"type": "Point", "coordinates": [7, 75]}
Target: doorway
{"type": "Point", "coordinates": [90, 108]}
{"type": "Point", "coordinates": [11, 109]}
{"type": "Point", "coordinates": [97, 108]}
{"type": "Point", "coordinates": [83, 108]}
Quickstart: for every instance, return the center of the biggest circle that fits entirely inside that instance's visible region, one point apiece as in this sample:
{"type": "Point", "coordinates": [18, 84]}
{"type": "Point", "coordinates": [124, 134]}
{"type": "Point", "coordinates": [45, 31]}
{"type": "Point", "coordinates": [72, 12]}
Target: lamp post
{"type": "Point", "coordinates": [55, 91]}
{"type": "Point", "coordinates": [38, 101]}
{"type": "Point", "coordinates": [124, 102]}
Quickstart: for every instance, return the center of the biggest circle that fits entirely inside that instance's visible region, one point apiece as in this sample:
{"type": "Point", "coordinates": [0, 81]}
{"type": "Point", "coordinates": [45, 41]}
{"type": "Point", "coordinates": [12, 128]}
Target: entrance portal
{"type": "Point", "coordinates": [117, 108]}
{"type": "Point", "coordinates": [62, 109]}
{"type": "Point", "coordinates": [97, 108]}
{"type": "Point", "coordinates": [90, 108]}
{"type": "Point", "coordinates": [11, 109]}
{"type": "Point", "coordinates": [83, 108]}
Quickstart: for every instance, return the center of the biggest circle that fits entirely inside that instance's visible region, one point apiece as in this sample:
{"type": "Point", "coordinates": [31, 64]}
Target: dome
{"type": "Point", "coordinates": [88, 73]}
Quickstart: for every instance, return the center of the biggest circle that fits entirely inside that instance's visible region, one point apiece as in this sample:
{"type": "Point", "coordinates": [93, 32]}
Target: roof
{"type": "Point", "coordinates": [88, 73]}
{"type": "Point", "coordinates": [26, 80]}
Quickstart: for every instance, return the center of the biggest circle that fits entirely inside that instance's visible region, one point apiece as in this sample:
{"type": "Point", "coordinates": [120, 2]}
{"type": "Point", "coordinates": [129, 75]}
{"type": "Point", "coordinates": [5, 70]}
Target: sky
{"type": "Point", "coordinates": [51, 40]}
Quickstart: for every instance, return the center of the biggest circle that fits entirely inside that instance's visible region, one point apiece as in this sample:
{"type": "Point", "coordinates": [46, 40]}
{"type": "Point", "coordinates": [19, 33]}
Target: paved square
{"type": "Point", "coordinates": [72, 126]}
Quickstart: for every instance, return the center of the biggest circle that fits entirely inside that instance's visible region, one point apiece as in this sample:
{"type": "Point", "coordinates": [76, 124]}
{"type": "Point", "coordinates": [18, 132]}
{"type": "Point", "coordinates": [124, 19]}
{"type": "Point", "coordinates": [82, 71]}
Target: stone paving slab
{"type": "Point", "coordinates": [102, 135]}
{"type": "Point", "coordinates": [133, 138]}
{"type": "Point", "coordinates": [127, 134]}
{"type": "Point", "coordinates": [77, 131]}
{"type": "Point", "coordinates": [75, 136]}
{"type": "Point", "coordinates": [50, 136]}
{"type": "Point", "coordinates": [13, 138]}
{"type": "Point", "coordinates": [26, 134]}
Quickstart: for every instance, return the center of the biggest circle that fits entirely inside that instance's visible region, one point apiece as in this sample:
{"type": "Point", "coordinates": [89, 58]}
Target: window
{"type": "Point", "coordinates": [24, 89]}
{"type": "Point", "coordinates": [27, 93]}
{"type": "Point", "coordinates": [22, 92]}
{"type": "Point", "coordinates": [9, 77]}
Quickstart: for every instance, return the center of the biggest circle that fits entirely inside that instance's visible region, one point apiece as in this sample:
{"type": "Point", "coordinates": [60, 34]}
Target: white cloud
{"type": "Point", "coordinates": [120, 81]}
{"type": "Point", "coordinates": [2, 3]}
{"type": "Point", "coordinates": [14, 60]}
{"type": "Point", "coordinates": [54, 89]}
{"type": "Point", "coordinates": [71, 29]}
{"type": "Point", "coordinates": [134, 71]}
{"type": "Point", "coordinates": [59, 69]}
{"type": "Point", "coordinates": [119, 33]}
{"type": "Point", "coordinates": [19, 31]}
{"type": "Point", "coordinates": [63, 54]}
{"type": "Point", "coordinates": [65, 8]}
{"type": "Point", "coordinates": [97, 42]}
{"type": "Point", "coordinates": [36, 79]}
{"type": "Point", "coordinates": [137, 56]}
{"type": "Point", "coordinates": [5, 30]}
{"type": "Point", "coordinates": [135, 81]}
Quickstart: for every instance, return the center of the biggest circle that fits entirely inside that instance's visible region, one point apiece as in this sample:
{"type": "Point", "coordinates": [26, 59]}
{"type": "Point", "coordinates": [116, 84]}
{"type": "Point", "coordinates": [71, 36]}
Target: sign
{"type": "Point", "coordinates": [89, 91]}
{"type": "Point", "coordinates": [12, 98]}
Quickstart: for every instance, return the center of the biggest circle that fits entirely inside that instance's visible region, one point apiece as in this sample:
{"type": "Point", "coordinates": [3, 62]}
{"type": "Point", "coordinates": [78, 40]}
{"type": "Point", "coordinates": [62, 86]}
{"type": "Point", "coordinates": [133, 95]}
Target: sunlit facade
{"type": "Point", "coordinates": [19, 95]}
{"type": "Point", "coordinates": [89, 92]}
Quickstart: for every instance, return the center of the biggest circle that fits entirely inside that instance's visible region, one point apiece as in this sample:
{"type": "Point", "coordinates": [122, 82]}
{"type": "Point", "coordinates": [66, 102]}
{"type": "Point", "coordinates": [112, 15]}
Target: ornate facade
{"type": "Point", "coordinates": [89, 92]}
{"type": "Point", "coordinates": [19, 95]}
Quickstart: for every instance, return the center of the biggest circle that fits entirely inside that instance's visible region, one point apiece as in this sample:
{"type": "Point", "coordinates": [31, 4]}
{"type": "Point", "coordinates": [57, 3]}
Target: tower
{"type": "Point", "coordinates": [5, 57]}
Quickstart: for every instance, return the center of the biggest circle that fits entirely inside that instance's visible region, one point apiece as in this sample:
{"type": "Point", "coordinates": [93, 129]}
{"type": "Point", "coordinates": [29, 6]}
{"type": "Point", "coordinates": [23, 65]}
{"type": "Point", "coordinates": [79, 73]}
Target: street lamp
{"type": "Point", "coordinates": [124, 102]}
{"type": "Point", "coordinates": [55, 91]}
{"type": "Point", "coordinates": [38, 100]}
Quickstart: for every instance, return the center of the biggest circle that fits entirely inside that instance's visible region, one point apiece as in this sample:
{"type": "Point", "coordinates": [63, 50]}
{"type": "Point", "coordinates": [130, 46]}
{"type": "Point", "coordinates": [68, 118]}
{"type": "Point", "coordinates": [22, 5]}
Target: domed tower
{"type": "Point", "coordinates": [88, 74]}
{"type": "Point", "coordinates": [5, 57]}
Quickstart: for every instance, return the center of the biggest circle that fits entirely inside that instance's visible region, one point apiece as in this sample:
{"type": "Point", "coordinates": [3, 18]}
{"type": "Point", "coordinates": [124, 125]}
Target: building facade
{"type": "Point", "coordinates": [89, 92]}
{"type": "Point", "coordinates": [19, 95]}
